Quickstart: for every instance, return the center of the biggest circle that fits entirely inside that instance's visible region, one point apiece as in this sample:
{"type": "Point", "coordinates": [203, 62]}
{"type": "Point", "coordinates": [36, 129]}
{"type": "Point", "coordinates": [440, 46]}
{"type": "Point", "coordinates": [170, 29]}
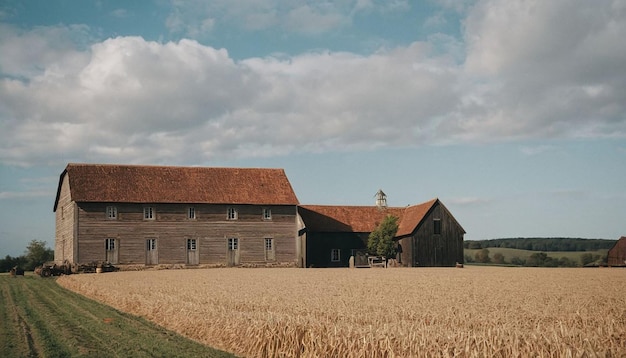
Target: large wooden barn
{"type": "Point", "coordinates": [151, 215]}
{"type": "Point", "coordinates": [161, 215]}
{"type": "Point", "coordinates": [428, 234]}
{"type": "Point", "coordinates": [617, 254]}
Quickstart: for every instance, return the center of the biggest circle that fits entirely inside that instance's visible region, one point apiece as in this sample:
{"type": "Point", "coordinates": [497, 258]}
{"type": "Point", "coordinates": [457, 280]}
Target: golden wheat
{"type": "Point", "coordinates": [433, 312]}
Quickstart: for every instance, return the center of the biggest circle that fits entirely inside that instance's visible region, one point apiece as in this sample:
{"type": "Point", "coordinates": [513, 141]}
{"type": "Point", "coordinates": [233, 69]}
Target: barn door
{"type": "Point", "coordinates": [152, 254]}
{"type": "Point", "coordinates": [439, 255]}
{"type": "Point", "coordinates": [192, 252]}
{"type": "Point", "coordinates": [233, 251]}
{"type": "Point", "coordinates": [270, 253]}
{"type": "Point", "coordinates": [110, 246]}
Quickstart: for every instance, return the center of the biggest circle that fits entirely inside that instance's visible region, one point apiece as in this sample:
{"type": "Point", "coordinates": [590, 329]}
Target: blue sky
{"type": "Point", "coordinates": [513, 113]}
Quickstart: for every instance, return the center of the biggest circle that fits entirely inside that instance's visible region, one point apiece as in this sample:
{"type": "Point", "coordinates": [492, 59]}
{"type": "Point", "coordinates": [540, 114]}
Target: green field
{"type": "Point", "coordinates": [525, 254]}
{"type": "Point", "coordinates": [38, 318]}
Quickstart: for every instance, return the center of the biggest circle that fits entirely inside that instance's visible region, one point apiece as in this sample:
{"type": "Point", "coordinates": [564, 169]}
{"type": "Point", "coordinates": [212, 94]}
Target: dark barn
{"type": "Point", "coordinates": [617, 254]}
{"type": "Point", "coordinates": [428, 234]}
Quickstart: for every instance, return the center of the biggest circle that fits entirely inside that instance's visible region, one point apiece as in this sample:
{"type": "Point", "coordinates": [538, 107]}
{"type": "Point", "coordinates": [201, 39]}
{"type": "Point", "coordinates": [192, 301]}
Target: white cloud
{"type": "Point", "coordinates": [130, 100]}
{"type": "Point", "coordinates": [532, 74]}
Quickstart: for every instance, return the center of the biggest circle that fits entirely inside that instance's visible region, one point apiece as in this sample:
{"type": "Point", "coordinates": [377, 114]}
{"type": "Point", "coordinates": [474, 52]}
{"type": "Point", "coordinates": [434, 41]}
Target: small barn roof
{"type": "Point", "coordinates": [326, 218]}
{"type": "Point", "coordinates": [170, 184]}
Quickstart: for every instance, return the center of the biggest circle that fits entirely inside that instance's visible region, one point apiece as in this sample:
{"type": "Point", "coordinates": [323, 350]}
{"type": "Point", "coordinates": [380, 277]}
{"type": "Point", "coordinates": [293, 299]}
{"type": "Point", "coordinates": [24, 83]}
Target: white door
{"type": "Point", "coordinates": [152, 254]}
{"type": "Point", "coordinates": [192, 252]}
{"type": "Point", "coordinates": [233, 251]}
{"type": "Point", "coordinates": [110, 246]}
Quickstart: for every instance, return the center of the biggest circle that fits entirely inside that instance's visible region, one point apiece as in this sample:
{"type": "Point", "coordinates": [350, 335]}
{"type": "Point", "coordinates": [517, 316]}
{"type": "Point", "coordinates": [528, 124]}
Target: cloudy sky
{"type": "Point", "coordinates": [513, 113]}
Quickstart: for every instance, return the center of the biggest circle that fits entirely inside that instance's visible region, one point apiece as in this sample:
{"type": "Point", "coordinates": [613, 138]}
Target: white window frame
{"type": "Point", "coordinates": [233, 243]}
{"type": "Point", "coordinates": [151, 244]}
{"type": "Point", "coordinates": [111, 212]}
{"type": "Point", "coordinates": [231, 213]}
{"type": "Point", "coordinates": [192, 244]}
{"type": "Point", "coordinates": [332, 255]}
{"type": "Point", "coordinates": [267, 214]}
{"type": "Point", "coordinates": [191, 213]}
{"type": "Point", "coordinates": [149, 213]}
{"type": "Point", "coordinates": [109, 244]}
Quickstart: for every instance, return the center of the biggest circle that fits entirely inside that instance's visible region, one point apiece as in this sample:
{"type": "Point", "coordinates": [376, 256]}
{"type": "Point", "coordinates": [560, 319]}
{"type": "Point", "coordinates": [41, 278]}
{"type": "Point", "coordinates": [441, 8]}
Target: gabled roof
{"type": "Point", "coordinates": [168, 184]}
{"type": "Point", "coordinates": [325, 218]}
{"type": "Point", "coordinates": [413, 216]}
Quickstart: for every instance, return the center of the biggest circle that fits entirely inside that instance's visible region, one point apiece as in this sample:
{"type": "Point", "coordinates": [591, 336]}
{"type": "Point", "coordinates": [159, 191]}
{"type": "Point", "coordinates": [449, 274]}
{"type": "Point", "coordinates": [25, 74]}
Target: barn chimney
{"type": "Point", "coordinates": [381, 199]}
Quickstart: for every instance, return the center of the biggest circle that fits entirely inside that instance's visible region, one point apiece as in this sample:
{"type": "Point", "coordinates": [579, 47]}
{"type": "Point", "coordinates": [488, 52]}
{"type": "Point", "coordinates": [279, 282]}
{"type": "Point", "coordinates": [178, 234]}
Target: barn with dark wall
{"type": "Point", "coordinates": [617, 254]}
{"type": "Point", "coordinates": [334, 233]}
{"type": "Point", "coordinates": [428, 233]}
{"type": "Point", "coordinates": [163, 215]}
{"type": "Point", "coordinates": [430, 236]}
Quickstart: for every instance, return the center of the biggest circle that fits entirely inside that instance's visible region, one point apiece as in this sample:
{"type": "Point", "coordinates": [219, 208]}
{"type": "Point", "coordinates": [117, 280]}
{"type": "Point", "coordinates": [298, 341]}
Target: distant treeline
{"type": "Point", "coordinates": [543, 244]}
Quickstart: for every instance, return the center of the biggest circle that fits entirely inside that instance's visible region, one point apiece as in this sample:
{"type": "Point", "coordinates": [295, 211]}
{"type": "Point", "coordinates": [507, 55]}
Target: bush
{"type": "Point", "coordinates": [482, 256]}
{"type": "Point", "coordinates": [498, 258]}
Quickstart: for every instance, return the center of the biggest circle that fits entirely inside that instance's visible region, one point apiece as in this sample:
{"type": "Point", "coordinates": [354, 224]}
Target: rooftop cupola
{"type": "Point", "coordinates": [381, 199]}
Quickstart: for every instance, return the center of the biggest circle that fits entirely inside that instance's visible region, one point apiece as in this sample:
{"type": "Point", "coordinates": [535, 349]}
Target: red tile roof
{"type": "Point", "coordinates": [167, 184]}
{"type": "Point", "coordinates": [325, 218]}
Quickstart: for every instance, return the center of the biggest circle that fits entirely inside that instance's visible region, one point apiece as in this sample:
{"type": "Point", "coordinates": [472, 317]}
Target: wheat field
{"type": "Point", "coordinates": [395, 312]}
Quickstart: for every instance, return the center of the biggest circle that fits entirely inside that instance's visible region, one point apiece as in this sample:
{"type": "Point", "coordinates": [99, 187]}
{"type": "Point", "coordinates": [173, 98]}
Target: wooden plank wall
{"type": "Point", "coordinates": [65, 223]}
{"type": "Point", "coordinates": [172, 228]}
{"type": "Point", "coordinates": [445, 249]}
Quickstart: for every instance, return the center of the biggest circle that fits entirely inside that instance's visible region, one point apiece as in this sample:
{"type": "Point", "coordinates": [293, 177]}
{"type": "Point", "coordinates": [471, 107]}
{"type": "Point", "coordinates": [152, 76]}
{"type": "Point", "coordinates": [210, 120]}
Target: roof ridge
{"type": "Point", "coordinates": [166, 166]}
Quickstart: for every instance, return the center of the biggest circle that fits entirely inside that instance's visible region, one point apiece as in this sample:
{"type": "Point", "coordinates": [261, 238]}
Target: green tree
{"type": "Point", "coordinates": [380, 241]}
{"type": "Point", "coordinates": [37, 253]}
{"type": "Point", "coordinates": [9, 262]}
{"type": "Point", "coordinates": [537, 259]}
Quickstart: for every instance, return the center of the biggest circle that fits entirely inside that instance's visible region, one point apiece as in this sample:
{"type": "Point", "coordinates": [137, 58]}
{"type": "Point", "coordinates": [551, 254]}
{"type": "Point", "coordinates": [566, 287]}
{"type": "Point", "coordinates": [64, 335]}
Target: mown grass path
{"type": "Point", "coordinates": [38, 318]}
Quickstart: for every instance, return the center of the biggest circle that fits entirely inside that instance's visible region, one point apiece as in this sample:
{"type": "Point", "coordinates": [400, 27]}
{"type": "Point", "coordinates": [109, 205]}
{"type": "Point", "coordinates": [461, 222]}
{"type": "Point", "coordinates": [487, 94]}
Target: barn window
{"type": "Point", "coordinates": [109, 244]}
{"type": "Point", "coordinates": [231, 214]}
{"type": "Point", "coordinates": [191, 213]}
{"type": "Point", "coordinates": [267, 214]}
{"type": "Point", "coordinates": [192, 244]}
{"type": "Point", "coordinates": [437, 226]}
{"type": "Point", "coordinates": [233, 243]}
{"type": "Point", "coordinates": [335, 255]}
{"type": "Point", "coordinates": [269, 249]}
{"type": "Point", "coordinates": [148, 213]}
{"type": "Point", "coordinates": [111, 212]}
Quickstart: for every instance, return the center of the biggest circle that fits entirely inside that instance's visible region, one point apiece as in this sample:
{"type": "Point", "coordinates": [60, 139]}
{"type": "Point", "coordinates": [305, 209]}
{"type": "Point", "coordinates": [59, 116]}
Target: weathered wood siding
{"type": "Point", "coordinates": [425, 248]}
{"type": "Point", "coordinates": [171, 228]}
{"type": "Point", "coordinates": [617, 254]}
{"type": "Point", "coordinates": [65, 217]}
